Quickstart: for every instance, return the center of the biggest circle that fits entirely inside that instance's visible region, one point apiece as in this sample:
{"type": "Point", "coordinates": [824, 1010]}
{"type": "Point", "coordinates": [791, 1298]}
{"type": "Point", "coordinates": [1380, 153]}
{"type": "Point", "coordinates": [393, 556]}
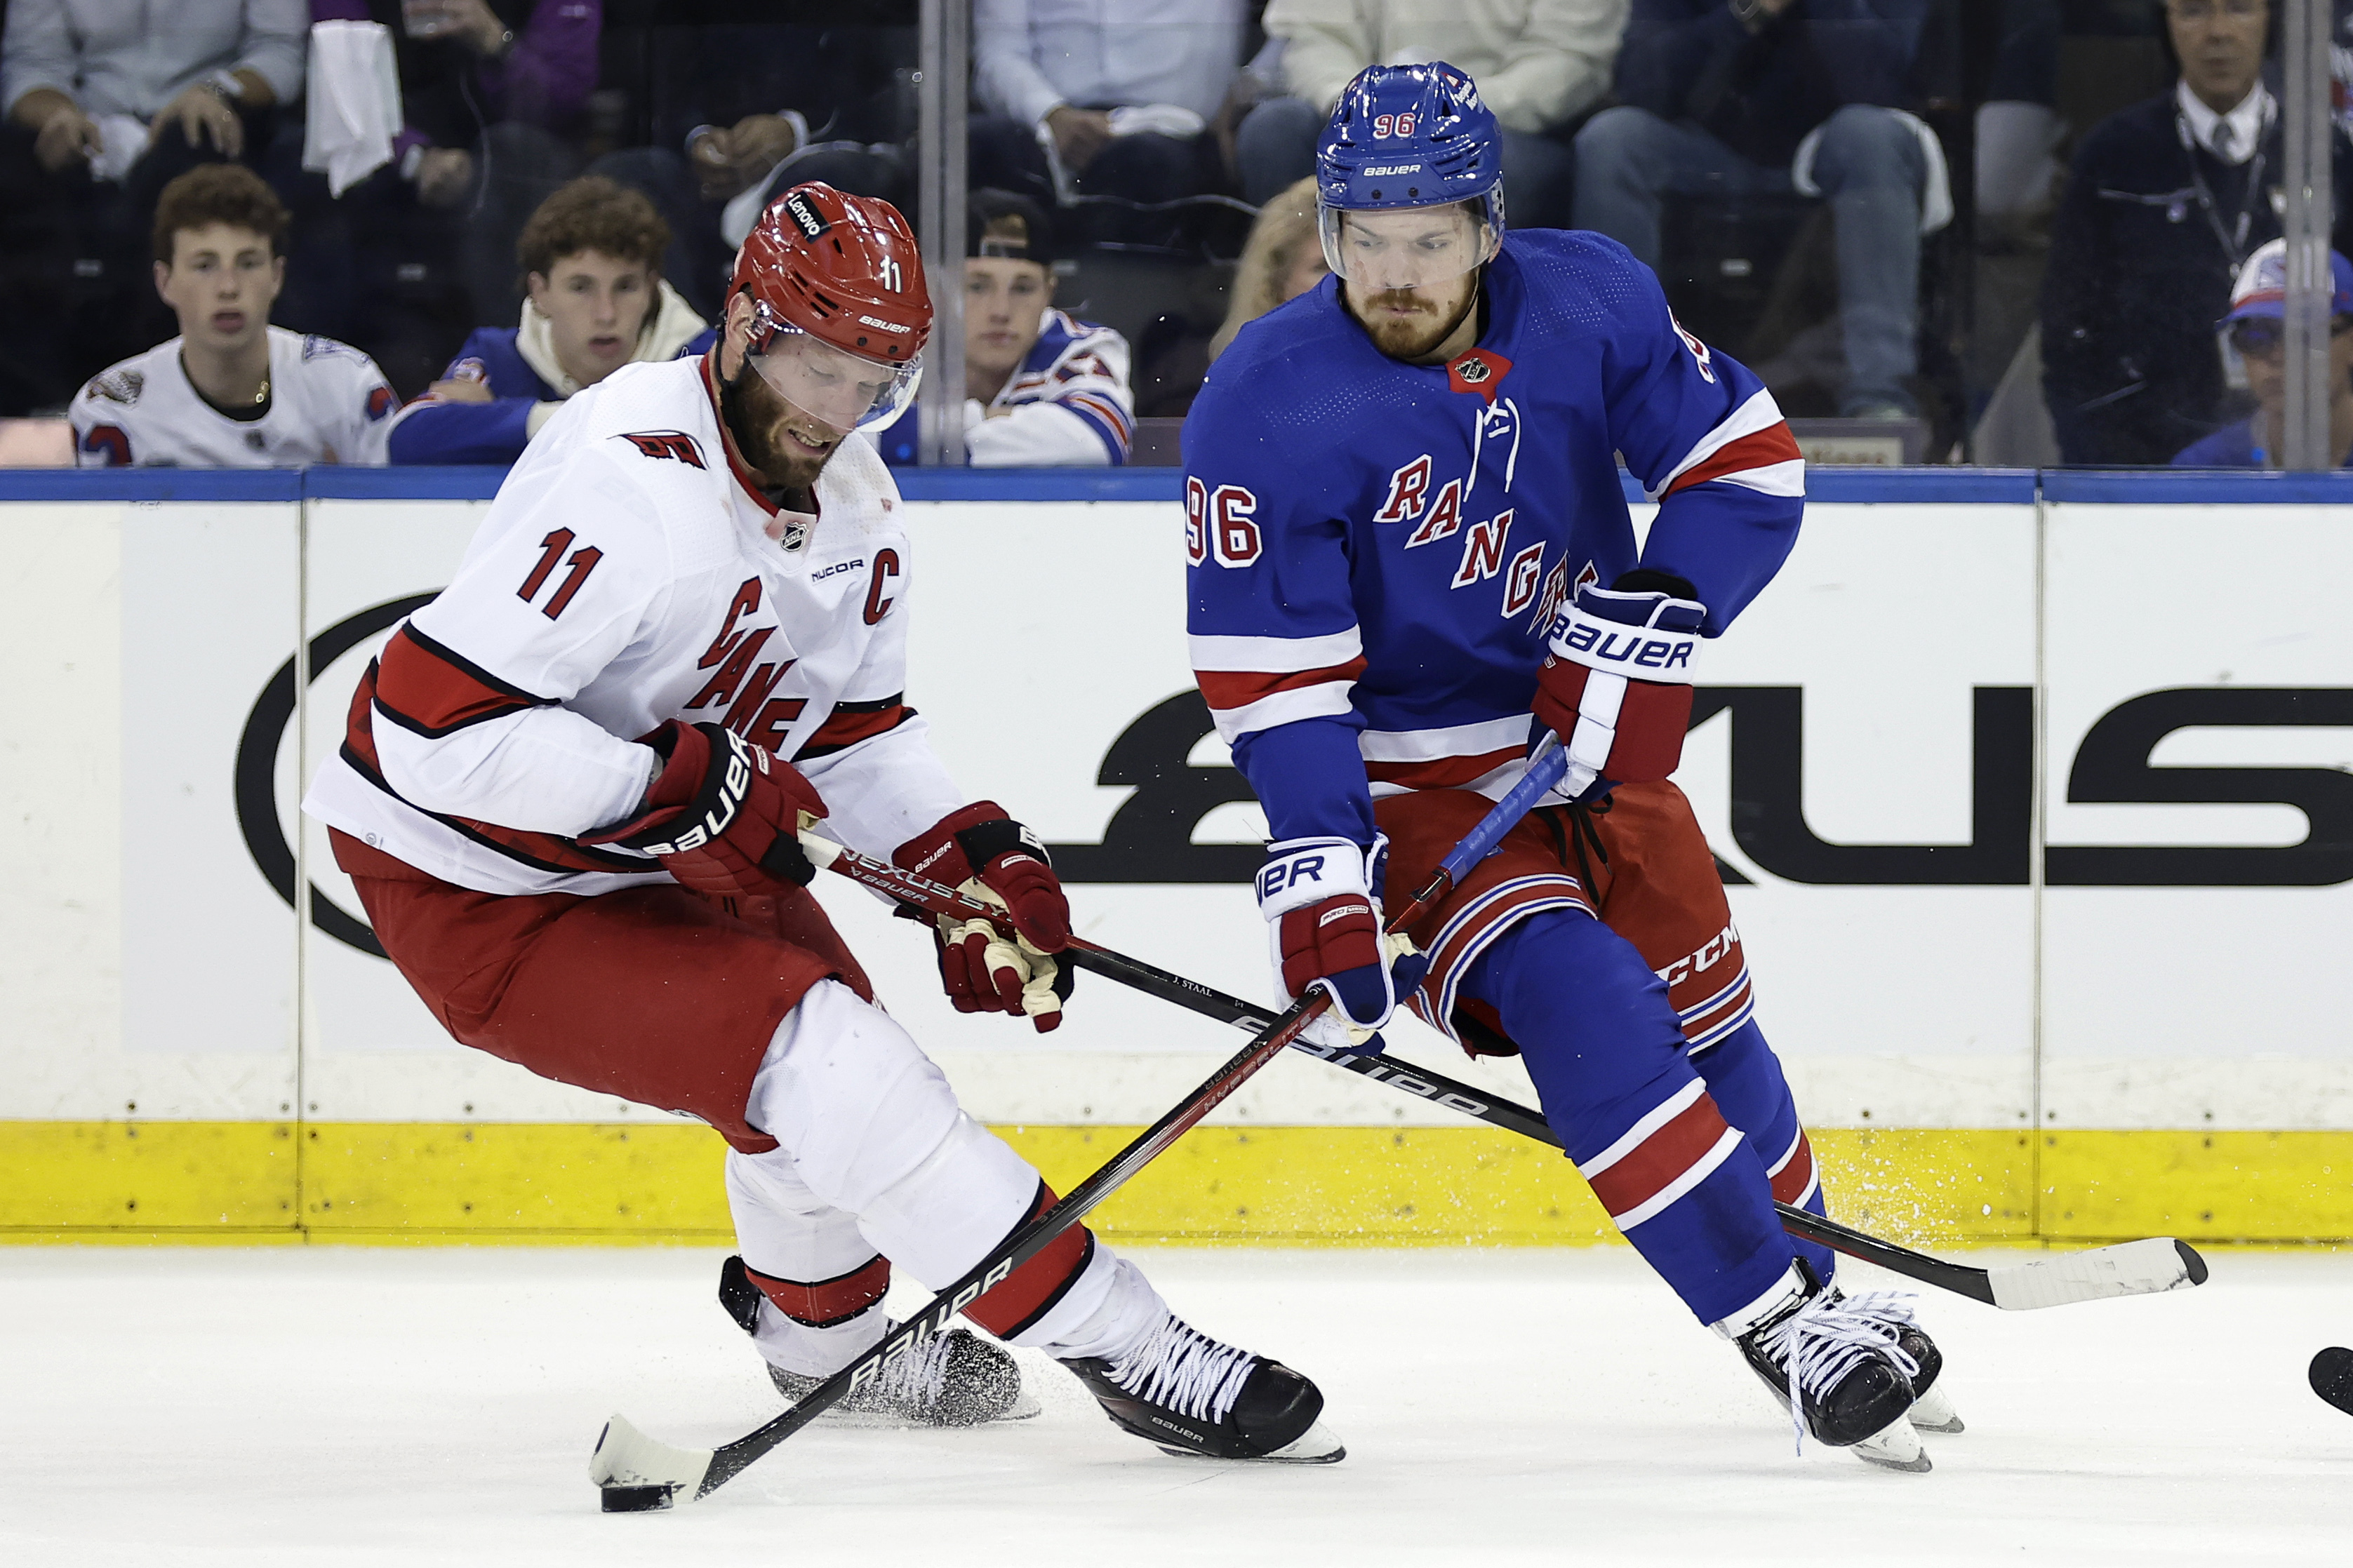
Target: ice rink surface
{"type": "Point", "coordinates": [162, 1407]}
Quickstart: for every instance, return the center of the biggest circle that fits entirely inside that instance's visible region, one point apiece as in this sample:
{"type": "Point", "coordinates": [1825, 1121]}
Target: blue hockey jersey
{"type": "Point", "coordinates": [434, 430]}
{"type": "Point", "coordinates": [1376, 548]}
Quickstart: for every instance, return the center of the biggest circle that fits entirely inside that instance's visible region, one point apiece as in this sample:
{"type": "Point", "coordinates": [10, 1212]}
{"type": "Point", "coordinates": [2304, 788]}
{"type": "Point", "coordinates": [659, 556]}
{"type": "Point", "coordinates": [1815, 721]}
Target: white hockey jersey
{"type": "Point", "coordinates": [328, 404]}
{"type": "Point", "coordinates": [627, 574]}
{"type": "Point", "coordinates": [1066, 405]}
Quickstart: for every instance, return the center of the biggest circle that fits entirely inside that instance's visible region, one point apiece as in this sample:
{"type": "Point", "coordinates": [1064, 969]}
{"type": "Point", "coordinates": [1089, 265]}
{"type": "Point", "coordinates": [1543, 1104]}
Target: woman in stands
{"type": "Point", "coordinates": [1281, 261]}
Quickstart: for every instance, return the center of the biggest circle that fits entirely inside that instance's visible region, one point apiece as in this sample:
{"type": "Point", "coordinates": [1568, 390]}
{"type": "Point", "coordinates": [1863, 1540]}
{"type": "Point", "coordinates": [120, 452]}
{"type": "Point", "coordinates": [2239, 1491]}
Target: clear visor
{"type": "Point", "coordinates": [1410, 247]}
{"type": "Point", "coordinates": [839, 390]}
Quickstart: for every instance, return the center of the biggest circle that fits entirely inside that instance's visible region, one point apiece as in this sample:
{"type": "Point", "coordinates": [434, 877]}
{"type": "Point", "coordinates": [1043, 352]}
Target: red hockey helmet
{"type": "Point", "coordinates": [840, 313]}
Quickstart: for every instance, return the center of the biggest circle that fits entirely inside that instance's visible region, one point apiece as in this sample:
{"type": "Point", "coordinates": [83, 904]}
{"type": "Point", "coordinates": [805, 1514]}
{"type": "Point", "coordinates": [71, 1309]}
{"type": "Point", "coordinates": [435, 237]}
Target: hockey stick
{"type": "Point", "coordinates": [637, 1474]}
{"type": "Point", "coordinates": [2129, 1269]}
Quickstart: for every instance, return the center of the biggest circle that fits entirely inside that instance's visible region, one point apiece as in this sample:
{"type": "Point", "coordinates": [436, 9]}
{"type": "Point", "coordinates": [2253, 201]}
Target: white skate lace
{"type": "Point", "coordinates": [1821, 1341]}
{"type": "Point", "coordinates": [1185, 1369]}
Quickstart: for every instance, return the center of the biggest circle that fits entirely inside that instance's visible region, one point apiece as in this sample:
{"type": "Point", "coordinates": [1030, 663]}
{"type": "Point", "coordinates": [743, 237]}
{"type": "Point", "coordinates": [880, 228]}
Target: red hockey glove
{"type": "Point", "coordinates": [1320, 898]}
{"type": "Point", "coordinates": [985, 855]}
{"type": "Point", "coordinates": [1616, 688]}
{"type": "Point", "coordinates": [722, 815]}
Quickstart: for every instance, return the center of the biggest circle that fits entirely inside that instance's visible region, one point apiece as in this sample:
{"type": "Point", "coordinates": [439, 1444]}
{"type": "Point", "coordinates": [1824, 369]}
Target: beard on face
{"type": "Point", "coordinates": [757, 414]}
{"type": "Point", "coordinates": [1422, 324]}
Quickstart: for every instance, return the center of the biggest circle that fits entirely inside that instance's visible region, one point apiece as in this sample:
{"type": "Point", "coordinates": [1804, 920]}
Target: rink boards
{"type": "Point", "coordinates": [2035, 794]}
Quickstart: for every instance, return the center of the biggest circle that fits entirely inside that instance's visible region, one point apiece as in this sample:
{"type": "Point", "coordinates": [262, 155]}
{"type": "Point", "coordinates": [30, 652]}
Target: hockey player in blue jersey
{"type": "Point", "coordinates": [1409, 555]}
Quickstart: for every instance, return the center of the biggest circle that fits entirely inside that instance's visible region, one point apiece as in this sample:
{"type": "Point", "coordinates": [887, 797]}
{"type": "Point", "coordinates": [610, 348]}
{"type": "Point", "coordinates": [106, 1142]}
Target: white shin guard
{"type": "Point", "coordinates": [795, 1347]}
{"type": "Point", "coordinates": [876, 1156]}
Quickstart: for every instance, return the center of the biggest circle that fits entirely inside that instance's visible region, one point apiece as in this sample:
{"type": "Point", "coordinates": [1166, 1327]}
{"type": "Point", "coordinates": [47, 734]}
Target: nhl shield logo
{"type": "Point", "coordinates": [1481, 371]}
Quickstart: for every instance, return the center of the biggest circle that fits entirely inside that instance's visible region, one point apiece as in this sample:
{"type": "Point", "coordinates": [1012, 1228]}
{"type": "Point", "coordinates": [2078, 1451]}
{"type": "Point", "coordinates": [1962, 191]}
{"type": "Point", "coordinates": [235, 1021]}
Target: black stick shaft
{"type": "Point", "coordinates": [1025, 1244]}
{"type": "Point", "coordinates": [1421, 1082]}
{"type": "Point", "coordinates": [1269, 1041]}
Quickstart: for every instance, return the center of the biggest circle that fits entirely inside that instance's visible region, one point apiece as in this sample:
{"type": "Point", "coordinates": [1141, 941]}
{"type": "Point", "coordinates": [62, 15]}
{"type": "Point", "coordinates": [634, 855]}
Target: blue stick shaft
{"type": "Point", "coordinates": [1546, 770]}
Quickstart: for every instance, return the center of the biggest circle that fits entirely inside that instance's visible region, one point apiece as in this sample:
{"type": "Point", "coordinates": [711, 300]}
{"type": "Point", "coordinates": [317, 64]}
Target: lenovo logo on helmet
{"type": "Point", "coordinates": [797, 206]}
{"type": "Point", "coordinates": [881, 326]}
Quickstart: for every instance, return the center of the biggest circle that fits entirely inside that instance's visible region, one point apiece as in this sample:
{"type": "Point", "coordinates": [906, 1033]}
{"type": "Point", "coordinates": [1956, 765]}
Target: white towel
{"type": "Point", "coordinates": [354, 103]}
{"type": "Point", "coordinates": [121, 138]}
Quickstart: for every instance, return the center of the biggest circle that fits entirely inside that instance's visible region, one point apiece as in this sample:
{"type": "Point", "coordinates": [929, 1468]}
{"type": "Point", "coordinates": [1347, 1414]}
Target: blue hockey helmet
{"type": "Point", "coordinates": [1402, 137]}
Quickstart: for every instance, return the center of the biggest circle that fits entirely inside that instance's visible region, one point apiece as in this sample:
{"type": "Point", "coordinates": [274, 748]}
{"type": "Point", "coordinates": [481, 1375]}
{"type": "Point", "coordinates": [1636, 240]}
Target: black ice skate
{"type": "Point", "coordinates": [1853, 1380]}
{"type": "Point", "coordinates": [1932, 1407]}
{"type": "Point", "coordinates": [1194, 1396]}
{"type": "Point", "coordinates": [955, 1379]}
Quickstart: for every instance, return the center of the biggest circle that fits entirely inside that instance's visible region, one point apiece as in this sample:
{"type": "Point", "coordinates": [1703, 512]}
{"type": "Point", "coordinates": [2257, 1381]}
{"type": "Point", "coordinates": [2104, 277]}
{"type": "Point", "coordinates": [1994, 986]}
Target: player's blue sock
{"type": "Point", "coordinates": [1744, 1077]}
{"type": "Point", "coordinates": [1602, 1045]}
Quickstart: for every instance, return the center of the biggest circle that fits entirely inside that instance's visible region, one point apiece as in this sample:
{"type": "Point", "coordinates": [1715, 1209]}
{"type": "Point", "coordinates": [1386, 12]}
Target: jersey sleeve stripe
{"type": "Point", "coordinates": [424, 686]}
{"type": "Point", "coordinates": [1758, 414]}
{"type": "Point", "coordinates": [1275, 654]}
{"type": "Point", "coordinates": [850, 722]}
{"type": "Point", "coordinates": [1759, 462]}
{"type": "Point", "coordinates": [1322, 700]}
{"type": "Point", "coordinates": [1228, 689]}
{"type": "Point", "coordinates": [1103, 415]}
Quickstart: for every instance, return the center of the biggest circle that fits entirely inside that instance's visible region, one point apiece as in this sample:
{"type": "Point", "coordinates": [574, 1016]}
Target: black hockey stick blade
{"type": "Point", "coordinates": [2332, 1377]}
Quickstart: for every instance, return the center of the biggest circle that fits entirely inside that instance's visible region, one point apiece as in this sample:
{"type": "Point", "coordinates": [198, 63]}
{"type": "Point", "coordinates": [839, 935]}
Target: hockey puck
{"type": "Point", "coordinates": [635, 1499]}
{"type": "Point", "coordinates": [2332, 1377]}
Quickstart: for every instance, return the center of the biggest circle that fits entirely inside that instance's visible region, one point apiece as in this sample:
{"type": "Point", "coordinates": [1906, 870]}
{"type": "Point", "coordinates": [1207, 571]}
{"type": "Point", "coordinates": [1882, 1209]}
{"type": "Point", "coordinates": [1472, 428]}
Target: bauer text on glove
{"type": "Point", "coordinates": [1321, 900]}
{"type": "Point", "coordinates": [722, 815]}
{"type": "Point", "coordinates": [1617, 684]}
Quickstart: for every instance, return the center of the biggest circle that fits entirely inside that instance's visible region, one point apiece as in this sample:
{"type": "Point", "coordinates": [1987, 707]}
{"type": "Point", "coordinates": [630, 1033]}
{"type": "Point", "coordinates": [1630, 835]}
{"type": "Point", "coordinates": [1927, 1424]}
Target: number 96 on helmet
{"type": "Point", "coordinates": [1408, 178]}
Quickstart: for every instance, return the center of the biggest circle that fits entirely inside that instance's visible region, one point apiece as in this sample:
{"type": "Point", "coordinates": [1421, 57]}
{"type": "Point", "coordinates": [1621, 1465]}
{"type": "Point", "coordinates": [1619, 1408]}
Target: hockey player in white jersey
{"type": "Point", "coordinates": [568, 798]}
{"type": "Point", "coordinates": [231, 391]}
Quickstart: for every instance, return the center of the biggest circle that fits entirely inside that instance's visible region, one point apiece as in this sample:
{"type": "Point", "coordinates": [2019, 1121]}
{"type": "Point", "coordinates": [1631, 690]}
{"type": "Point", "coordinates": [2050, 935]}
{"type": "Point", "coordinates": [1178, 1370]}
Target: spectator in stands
{"type": "Point", "coordinates": [2019, 126]}
{"type": "Point", "coordinates": [1283, 260]}
{"type": "Point", "coordinates": [1540, 66]}
{"type": "Point", "coordinates": [1738, 96]}
{"type": "Point", "coordinates": [1042, 389]}
{"type": "Point", "coordinates": [108, 94]}
{"type": "Point", "coordinates": [2258, 332]}
{"type": "Point", "coordinates": [489, 88]}
{"type": "Point", "coordinates": [106, 101]}
{"type": "Point", "coordinates": [742, 110]}
{"type": "Point", "coordinates": [1104, 97]}
{"type": "Point", "coordinates": [231, 391]}
{"type": "Point", "coordinates": [593, 301]}
{"type": "Point", "coordinates": [2166, 201]}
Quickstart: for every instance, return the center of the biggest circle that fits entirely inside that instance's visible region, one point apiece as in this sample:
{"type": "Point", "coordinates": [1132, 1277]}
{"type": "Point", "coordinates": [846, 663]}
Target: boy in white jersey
{"type": "Point", "coordinates": [693, 554]}
{"type": "Point", "coordinates": [231, 391]}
